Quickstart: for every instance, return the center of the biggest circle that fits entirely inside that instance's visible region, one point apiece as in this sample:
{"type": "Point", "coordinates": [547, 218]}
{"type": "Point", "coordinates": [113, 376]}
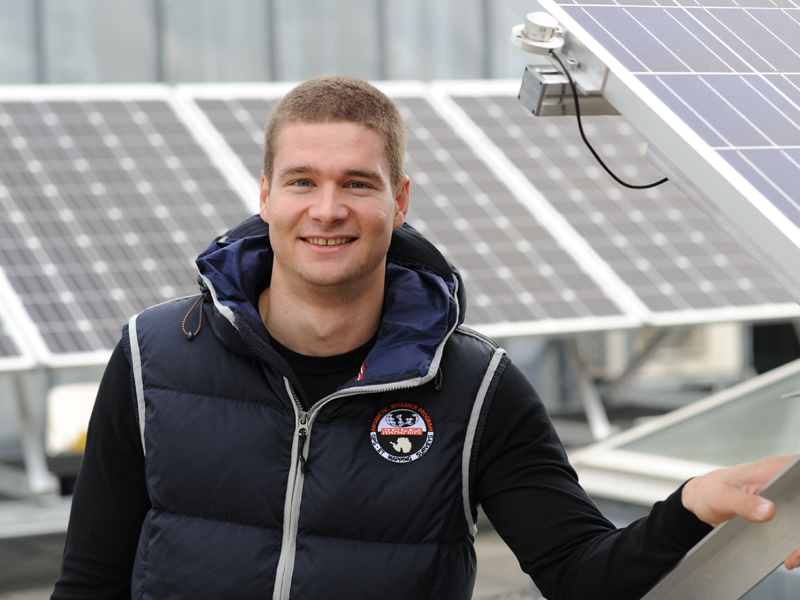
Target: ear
{"type": "Point", "coordinates": [263, 199]}
{"type": "Point", "coordinates": [401, 202]}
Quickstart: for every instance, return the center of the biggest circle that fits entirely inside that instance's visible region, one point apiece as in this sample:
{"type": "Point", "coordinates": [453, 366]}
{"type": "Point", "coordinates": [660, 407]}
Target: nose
{"type": "Point", "coordinates": [328, 205]}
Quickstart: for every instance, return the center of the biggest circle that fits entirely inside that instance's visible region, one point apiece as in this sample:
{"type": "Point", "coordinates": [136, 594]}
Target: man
{"type": "Point", "coordinates": [317, 424]}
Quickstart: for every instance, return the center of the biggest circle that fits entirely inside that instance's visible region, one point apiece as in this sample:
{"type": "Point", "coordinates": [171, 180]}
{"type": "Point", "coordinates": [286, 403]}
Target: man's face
{"type": "Point", "coordinates": [330, 206]}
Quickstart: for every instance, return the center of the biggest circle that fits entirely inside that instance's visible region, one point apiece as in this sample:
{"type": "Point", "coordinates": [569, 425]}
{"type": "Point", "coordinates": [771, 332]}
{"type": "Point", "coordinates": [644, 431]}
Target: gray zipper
{"type": "Point", "coordinates": [297, 470]}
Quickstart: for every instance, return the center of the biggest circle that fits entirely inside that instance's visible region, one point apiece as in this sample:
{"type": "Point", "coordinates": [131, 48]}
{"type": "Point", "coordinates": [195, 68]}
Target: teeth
{"type": "Point", "coordinates": [331, 242]}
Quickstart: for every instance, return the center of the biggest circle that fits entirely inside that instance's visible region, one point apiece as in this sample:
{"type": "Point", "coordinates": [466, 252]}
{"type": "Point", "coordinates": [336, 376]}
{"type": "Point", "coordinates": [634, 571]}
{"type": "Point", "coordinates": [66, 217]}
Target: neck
{"type": "Point", "coordinates": [321, 322]}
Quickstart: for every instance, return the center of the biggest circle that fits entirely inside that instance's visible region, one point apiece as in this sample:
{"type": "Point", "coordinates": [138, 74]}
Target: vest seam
{"type": "Point", "coordinates": [213, 520]}
{"type": "Point", "coordinates": [435, 572]}
{"type": "Point", "coordinates": [146, 567]}
{"type": "Point", "coordinates": [436, 542]}
{"type": "Point", "coordinates": [164, 388]}
{"type": "Point", "coordinates": [465, 331]}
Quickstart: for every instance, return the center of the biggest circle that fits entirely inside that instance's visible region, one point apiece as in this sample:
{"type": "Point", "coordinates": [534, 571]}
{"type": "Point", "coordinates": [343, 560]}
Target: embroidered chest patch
{"type": "Point", "coordinates": [402, 432]}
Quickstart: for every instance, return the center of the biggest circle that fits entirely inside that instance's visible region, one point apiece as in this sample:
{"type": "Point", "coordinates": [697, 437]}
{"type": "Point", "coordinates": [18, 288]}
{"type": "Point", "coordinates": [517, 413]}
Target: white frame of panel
{"type": "Point", "coordinates": [733, 202]}
{"type": "Point", "coordinates": [607, 471]}
{"type": "Point", "coordinates": [20, 328]}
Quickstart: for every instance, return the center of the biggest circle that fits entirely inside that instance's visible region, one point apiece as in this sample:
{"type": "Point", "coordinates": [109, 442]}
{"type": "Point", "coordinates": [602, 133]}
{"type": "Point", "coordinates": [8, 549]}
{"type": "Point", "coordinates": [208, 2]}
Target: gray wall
{"type": "Point", "coordinates": [136, 41]}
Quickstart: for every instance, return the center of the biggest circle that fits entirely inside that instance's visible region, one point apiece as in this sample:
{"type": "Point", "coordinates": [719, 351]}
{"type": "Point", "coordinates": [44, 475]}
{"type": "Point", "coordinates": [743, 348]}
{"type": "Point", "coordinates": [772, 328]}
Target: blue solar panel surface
{"type": "Point", "coordinates": [729, 69]}
{"type": "Point", "coordinates": [103, 206]}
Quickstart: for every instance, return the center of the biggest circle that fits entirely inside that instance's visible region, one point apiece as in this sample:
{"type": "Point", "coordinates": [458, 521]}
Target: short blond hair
{"type": "Point", "coordinates": [336, 99]}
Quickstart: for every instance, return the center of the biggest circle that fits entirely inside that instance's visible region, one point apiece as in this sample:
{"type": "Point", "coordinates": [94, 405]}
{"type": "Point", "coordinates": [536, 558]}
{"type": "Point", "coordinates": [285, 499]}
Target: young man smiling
{"type": "Point", "coordinates": [331, 204]}
{"type": "Point", "coordinates": [326, 428]}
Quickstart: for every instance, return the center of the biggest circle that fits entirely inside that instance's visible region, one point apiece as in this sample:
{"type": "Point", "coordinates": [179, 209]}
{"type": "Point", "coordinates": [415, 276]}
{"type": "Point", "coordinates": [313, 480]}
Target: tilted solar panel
{"type": "Point", "coordinates": [715, 87]}
{"type": "Point", "coordinates": [104, 203]}
{"type": "Point", "coordinates": [515, 269]}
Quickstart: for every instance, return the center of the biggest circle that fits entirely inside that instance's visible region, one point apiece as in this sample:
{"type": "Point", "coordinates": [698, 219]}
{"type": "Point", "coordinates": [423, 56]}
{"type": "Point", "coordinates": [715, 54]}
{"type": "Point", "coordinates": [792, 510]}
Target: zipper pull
{"type": "Point", "coordinates": [303, 435]}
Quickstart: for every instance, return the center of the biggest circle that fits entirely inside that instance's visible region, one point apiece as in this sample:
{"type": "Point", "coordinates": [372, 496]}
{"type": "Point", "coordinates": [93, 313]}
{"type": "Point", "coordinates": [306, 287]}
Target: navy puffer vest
{"type": "Point", "coordinates": [367, 494]}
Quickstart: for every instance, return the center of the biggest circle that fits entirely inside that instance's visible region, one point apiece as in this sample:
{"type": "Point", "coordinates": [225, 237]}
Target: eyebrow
{"type": "Point", "coordinates": [370, 175]}
{"type": "Point", "coordinates": [299, 170]}
{"type": "Point", "coordinates": [306, 169]}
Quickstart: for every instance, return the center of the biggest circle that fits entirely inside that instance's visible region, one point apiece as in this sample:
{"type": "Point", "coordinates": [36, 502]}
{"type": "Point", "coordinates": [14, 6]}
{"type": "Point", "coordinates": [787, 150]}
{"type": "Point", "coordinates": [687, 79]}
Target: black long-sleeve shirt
{"type": "Point", "coordinates": [523, 481]}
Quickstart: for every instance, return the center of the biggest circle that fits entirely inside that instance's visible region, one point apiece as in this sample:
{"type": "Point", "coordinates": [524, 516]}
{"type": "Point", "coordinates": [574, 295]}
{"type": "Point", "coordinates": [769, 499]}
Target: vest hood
{"type": "Point", "coordinates": [424, 301]}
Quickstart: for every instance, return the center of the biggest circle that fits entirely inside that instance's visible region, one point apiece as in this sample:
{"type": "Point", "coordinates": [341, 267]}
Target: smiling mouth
{"type": "Point", "coordinates": [329, 242]}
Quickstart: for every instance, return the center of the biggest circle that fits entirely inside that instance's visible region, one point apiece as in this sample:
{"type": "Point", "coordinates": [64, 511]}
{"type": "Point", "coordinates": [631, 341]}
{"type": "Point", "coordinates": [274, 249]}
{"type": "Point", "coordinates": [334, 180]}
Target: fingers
{"type": "Point", "coordinates": [793, 560]}
{"type": "Point", "coordinates": [720, 495]}
{"type": "Point", "coordinates": [731, 502]}
{"type": "Point", "coordinates": [758, 509]}
{"type": "Point", "coordinates": [766, 468]}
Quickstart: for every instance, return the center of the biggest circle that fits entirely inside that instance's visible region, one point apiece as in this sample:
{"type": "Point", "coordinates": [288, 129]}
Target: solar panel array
{"type": "Point", "coordinates": [106, 199]}
{"type": "Point", "coordinates": [515, 271]}
{"type": "Point", "coordinates": [667, 250]}
{"type": "Point", "coordinates": [105, 202]}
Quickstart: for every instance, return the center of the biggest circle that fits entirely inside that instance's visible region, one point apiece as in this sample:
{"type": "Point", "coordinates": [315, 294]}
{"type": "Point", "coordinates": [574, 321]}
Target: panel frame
{"type": "Point", "coordinates": [21, 329]}
{"type": "Point", "coordinates": [608, 471]}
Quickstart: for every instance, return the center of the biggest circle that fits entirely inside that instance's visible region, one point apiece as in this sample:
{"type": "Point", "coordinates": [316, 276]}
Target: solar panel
{"type": "Point", "coordinates": [723, 76]}
{"type": "Point", "coordinates": [106, 198]}
{"type": "Point", "coordinates": [665, 249]}
{"type": "Point", "coordinates": [516, 271]}
{"type": "Point", "coordinates": [241, 122]}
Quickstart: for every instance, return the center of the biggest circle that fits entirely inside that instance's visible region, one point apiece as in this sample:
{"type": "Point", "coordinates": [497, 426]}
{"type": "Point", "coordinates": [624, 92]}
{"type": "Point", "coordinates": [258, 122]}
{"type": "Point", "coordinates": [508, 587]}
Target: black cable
{"type": "Point", "coordinates": [583, 135]}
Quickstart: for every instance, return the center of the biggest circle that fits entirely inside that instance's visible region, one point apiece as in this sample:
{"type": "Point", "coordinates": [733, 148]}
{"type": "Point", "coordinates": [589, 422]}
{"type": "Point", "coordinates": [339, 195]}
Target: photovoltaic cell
{"type": "Point", "coordinates": [515, 271]}
{"type": "Point", "coordinates": [661, 245]}
{"type": "Point", "coordinates": [241, 122]}
{"type": "Point", "coordinates": [104, 204]}
{"type": "Point", "coordinates": [727, 69]}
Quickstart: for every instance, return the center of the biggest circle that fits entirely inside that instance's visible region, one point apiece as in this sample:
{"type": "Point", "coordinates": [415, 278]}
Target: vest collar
{"type": "Point", "coordinates": [423, 302]}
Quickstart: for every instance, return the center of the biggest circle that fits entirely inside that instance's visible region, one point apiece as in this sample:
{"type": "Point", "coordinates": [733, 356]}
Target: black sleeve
{"type": "Point", "coordinates": [110, 500]}
{"type": "Point", "coordinates": [532, 497]}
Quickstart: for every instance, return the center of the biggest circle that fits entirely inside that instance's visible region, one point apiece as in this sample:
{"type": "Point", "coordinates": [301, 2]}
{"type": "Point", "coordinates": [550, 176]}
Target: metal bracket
{"type": "Point", "coordinates": [545, 91]}
{"type": "Point", "coordinates": [596, 415]}
{"type": "Point", "coordinates": [662, 338]}
{"type": "Point", "coordinates": [36, 481]}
